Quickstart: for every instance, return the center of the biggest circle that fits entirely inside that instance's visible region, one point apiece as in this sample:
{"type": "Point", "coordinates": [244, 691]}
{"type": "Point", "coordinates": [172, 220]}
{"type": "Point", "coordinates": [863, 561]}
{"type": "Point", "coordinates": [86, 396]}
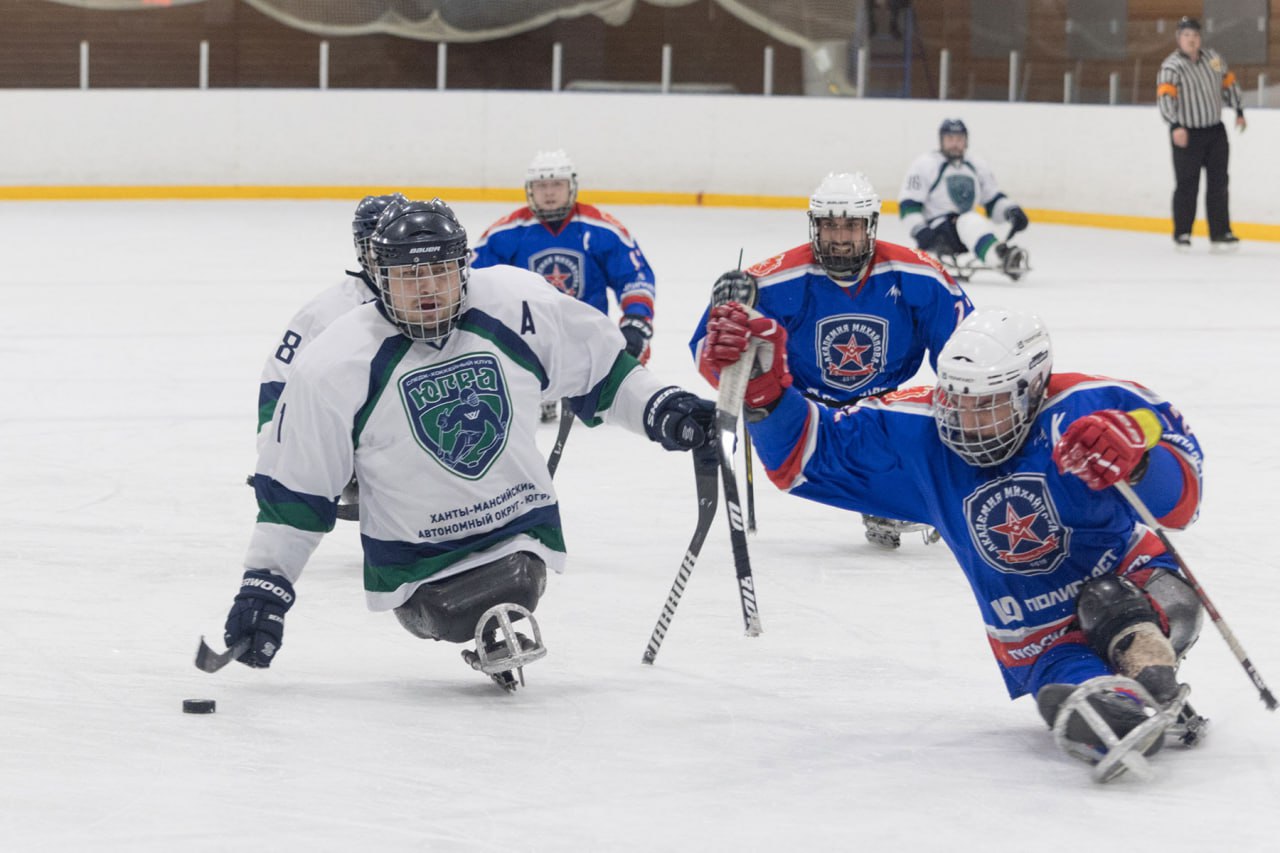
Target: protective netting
{"type": "Point", "coordinates": [800, 23]}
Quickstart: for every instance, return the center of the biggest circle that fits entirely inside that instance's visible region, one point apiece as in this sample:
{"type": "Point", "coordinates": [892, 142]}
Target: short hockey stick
{"type": "Point", "coordinates": [733, 388]}
{"type": "Point", "coordinates": [740, 288]}
{"type": "Point", "coordinates": [749, 463]}
{"type": "Point", "coordinates": [1150, 520]}
{"type": "Point", "coordinates": [211, 661]}
{"type": "Point", "coordinates": [705, 465]}
{"type": "Point", "coordinates": [566, 424]}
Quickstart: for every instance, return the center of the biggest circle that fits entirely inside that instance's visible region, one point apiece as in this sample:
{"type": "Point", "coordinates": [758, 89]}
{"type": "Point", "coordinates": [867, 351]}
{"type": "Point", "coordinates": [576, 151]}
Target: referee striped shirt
{"type": "Point", "coordinates": [1192, 94]}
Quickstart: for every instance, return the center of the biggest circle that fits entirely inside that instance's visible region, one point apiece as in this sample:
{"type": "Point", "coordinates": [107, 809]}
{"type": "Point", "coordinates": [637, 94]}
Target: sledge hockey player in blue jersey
{"type": "Point", "coordinates": [937, 205]}
{"type": "Point", "coordinates": [860, 313]}
{"type": "Point", "coordinates": [355, 289]}
{"type": "Point", "coordinates": [458, 524]}
{"type": "Point", "coordinates": [578, 248]}
{"type": "Point", "coordinates": [1083, 605]}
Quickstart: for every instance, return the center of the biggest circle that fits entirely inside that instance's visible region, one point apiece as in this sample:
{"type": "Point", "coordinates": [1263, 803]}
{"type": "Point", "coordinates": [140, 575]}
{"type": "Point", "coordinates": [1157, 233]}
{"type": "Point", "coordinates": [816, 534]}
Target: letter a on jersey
{"type": "Point", "coordinates": [460, 412]}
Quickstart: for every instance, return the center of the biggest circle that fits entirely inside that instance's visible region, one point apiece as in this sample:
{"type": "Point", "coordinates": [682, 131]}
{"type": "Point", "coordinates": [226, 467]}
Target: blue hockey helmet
{"type": "Point", "coordinates": [420, 253]}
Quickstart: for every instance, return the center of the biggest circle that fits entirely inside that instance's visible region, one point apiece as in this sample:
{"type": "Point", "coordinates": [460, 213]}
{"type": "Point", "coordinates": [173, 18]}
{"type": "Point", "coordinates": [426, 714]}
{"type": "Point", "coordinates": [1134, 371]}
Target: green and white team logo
{"type": "Point", "coordinates": [962, 191]}
{"type": "Point", "coordinates": [460, 412]}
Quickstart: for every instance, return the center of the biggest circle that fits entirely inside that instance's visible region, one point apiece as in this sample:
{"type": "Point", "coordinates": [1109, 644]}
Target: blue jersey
{"type": "Point", "coordinates": [588, 256]}
{"type": "Point", "coordinates": [850, 340]}
{"type": "Point", "coordinates": [1025, 536]}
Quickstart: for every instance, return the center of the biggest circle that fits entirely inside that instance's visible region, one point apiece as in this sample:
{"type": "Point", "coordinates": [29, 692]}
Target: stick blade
{"type": "Point", "coordinates": [210, 661]}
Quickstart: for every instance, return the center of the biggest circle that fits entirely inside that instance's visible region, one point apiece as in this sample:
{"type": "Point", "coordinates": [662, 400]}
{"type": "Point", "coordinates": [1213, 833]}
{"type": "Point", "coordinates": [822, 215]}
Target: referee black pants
{"type": "Point", "coordinates": [1207, 149]}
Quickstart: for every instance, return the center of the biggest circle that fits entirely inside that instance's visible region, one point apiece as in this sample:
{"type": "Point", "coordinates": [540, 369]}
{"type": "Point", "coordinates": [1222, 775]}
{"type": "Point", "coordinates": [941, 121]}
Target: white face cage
{"type": "Point", "coordinates": [424, 300]}
{"type": "Point", "coordinates": [558, 213]}
{"type": "Point", "coordinates": [984, 429]}
{"type": "Point", "coordinates": [843, 259]}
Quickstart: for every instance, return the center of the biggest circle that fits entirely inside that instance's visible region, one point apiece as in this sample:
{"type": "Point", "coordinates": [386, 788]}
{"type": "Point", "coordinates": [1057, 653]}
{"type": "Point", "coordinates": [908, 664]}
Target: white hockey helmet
{"type": "Point", "coordinates": [551, 166]}
{"type": "Point", "coordinates": [992, 376]}
{"type": "Point", "coordinates": [844, 196]}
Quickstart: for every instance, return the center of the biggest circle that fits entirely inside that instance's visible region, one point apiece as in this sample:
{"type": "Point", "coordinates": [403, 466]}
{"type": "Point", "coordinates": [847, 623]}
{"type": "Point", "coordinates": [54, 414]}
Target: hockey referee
{"type": "Point", "coordinates": [1193, 86]}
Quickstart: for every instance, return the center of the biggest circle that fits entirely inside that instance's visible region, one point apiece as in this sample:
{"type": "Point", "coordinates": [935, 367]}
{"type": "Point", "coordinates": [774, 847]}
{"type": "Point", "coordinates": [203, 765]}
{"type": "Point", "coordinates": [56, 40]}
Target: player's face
{"type": "Point", "coordinates": [425, 294]}
{"type": "Point", "coordinates": [1189, 41]}
{"type": "Point", "coordinates": [549, 195]}
{"type": "Point", "coordinates": [954, 144]}
{"type": "Point", "coordinates": [842, 236]}
{"type": "Point", "coordinates": [983, 417]}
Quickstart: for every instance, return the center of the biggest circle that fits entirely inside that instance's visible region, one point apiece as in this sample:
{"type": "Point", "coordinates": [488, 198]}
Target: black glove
{"type": "Point", "coordinates": [735, 286]}
{"type": "Point", "coordinates": [679, 420]}
{"type": "Point", "coordinates": [258, 613]}
{"type": "Point", "coordinates": [1017, 219]}
{"type": "Point", "coordinates": [926, 238]}
{"type": "Point", "coordinates": [637, 330]}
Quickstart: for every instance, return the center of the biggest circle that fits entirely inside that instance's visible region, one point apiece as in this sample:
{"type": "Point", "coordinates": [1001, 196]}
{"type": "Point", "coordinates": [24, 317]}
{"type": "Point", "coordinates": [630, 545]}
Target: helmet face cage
{"type": "Point", "coordinates": [992, 378]}
{"type": "Point", "coordinates": [985, 429]}
{"type": "Point", "coordinates": [421, 268]}
{"type": "Point", "coordinates": [838, 261]}
{"type": "Point", "coordinates": [844, 197]}
{"type": "Point", "coordinates": [551, 166]}
{"type": "Point", "coordinates": [424, 300]}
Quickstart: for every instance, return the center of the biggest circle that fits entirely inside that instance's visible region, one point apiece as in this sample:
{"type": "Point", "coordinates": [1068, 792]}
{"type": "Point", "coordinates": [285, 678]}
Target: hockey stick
{"type": "Point", "coordinates": [748, 463]}
{"type": "Point", "coordinates": [211, 661]}
{"type": "Point", "coordinates": [566, 424]}
{"type": "Point", "coordinates": [742, 289]}
{"type": "Point", "coordinates": [1150, 520]}
{"type": "Point", "coordinates": [705, 463]}
{"type": "Point", "coordinates": [733, 388]}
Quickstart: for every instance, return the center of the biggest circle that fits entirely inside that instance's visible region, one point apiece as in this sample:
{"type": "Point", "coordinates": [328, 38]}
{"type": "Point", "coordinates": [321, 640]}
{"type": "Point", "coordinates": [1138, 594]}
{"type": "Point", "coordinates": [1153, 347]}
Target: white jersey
{"type": "Point", "coordinates": [312, 319]}
{"type": "Point", "coordinates": [936, 186]}
{"type": "Point", "coordinates": [440, 437]}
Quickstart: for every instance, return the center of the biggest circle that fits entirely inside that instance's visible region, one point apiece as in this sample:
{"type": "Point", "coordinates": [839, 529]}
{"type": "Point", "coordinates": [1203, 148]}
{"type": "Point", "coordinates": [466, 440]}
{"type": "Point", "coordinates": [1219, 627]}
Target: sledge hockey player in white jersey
{"type": "Point", "coordinates": [937, 205]}
{"type": "Point", "coordinates": [577, 248]}
{"type": "Point", "coordinates": [430, 395]}
{"type": "Point", "coordinates": [1085, 608]}
{"type": "Point", "coordinates": [356, 288]}
{"type": "Point", "coordinates": [860, 313]}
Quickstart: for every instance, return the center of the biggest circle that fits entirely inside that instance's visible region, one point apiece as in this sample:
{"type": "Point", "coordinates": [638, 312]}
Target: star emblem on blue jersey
{"type": "Point", "coordinates": [1015, 525]}
{"type": "Point", "coordinates": [562, 268]}
{"type": "Point", "coordinates": [852, 349]}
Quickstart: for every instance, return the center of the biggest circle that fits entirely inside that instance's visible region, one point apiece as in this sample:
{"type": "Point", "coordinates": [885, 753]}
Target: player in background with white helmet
{"type": "Point", "coordinates": [860, 313]}
{"type": "Point", "coordinates": [356, 288]}
{"type": "Point", "coordinates": [578, 248]}
{"type": "Point", "coordinates": [938, 205]}
{"type": "Point", "coordinates": [430, 395]}
{"type": "Point", "coordinates": [1011, 463]}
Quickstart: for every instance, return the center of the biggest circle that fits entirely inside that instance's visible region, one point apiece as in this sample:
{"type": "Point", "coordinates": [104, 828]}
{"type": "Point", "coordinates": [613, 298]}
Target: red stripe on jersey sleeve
{"type": "Point", "coordinates": [1185, 509]}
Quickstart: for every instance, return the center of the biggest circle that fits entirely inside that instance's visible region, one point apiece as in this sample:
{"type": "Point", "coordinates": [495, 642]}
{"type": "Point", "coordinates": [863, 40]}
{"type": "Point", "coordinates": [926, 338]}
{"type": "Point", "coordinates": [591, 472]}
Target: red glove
{"type": "Point", "coordinates": [1105, 447]}
{"type": "Point", "coordinates": [729, 330]}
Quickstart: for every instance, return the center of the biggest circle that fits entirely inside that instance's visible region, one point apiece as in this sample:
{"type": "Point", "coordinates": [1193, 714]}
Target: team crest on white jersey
{"type": "Point", "coordinates": [962, 190]}
{"type": "Point", "coordinates": [851, 349]}
{"type": "Point", "coordinates": [1015, 525]}
{"type": "Point", "coordinates": [562, 268]}
{"type": "Point", "coordinates": [460, 412]}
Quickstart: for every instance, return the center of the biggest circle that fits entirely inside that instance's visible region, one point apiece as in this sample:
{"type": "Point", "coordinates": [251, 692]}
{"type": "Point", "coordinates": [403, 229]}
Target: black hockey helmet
{"type": "Point", "coordinates": [419, 247]}
{"type": "Point", "coordinates": [365, 221]}
{"type": "Point", "coordinates": [1186, 22]}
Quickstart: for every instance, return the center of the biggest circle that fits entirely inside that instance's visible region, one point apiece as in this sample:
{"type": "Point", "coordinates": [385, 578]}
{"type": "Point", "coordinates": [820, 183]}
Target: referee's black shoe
{"type": "Point", "coordinates": [1182, 242]}
{"type": "Point", "coordinates": [1227, 242]}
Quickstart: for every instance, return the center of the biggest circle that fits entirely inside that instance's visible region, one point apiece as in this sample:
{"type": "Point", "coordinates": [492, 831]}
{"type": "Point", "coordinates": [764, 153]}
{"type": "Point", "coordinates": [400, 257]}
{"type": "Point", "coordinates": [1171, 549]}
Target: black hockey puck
{"type": "Point", "coordinates": [199, 706]}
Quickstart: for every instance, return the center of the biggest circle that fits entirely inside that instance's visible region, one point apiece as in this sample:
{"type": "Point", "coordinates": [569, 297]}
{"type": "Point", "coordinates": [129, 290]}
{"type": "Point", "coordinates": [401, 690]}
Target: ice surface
{"type": "Point", "coordinates": [868, 716]}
